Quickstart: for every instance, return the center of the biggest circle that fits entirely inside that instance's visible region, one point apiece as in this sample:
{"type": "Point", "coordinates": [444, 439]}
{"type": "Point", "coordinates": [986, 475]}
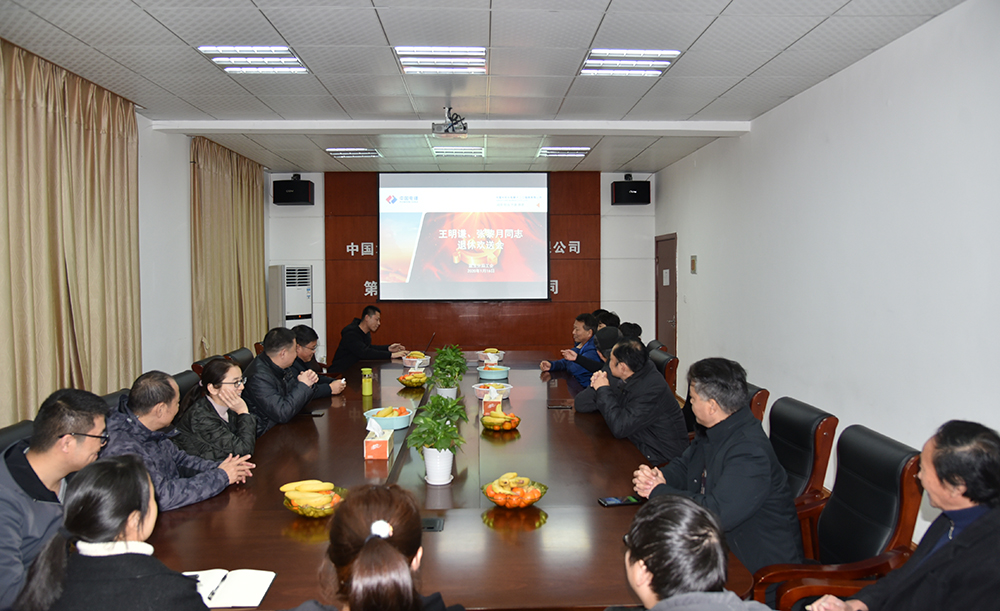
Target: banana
{"type": "Point", "coordinates": [313, 499]}
{"type": "Point", "coordinates": [520, 481]}
{"type": "Point", "coordinates": [384, 412]}
{"type": "Point", "coordinates": [493, 420]}
{"type": "Point", "coordinates": [415, 354]}
{"type": "Point", "coordinates": [295, 485]}
{"type": "Point", "coordinates": [491, 351]}
{"type": "Point", "coordinates": [508, 475]}
{"type": "Point", "coordinates": [320, 487]}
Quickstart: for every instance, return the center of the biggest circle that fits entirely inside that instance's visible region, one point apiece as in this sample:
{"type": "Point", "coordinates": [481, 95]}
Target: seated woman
{"type": "Point", "coordinates": [375, 549]}
{"type": "Point", "coordinates": [214, 421]}
{"type": "Point", "coordinates": [98, 559]}
{"type": "Point", "coordinates": [677, 558]}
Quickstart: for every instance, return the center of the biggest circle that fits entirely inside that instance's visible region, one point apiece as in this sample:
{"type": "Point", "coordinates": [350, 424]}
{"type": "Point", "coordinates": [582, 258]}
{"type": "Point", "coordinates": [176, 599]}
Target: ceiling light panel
{"type": "Point", "coordinates": [353, 153]}
{"type": "Point", "coordinates": [458, 151]}
{"type": "Point", "coordinates": [628, 62]}
{"type": "Point", "coordinates": [254, 59]}
{"type": "Point", "coordinates": [563, 151]}
{"type": "Point", "coordinates": [442, 60]}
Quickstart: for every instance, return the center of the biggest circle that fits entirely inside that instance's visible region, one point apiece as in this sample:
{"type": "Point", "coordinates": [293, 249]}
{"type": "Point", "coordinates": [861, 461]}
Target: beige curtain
{"type": "Point", "coordinates": [227, 249]}
{"type": "Point", "coordinates": [69, 272]}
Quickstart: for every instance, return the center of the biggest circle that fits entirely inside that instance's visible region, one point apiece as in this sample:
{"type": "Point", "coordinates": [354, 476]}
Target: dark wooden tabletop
{"type": "Point", "coordinates": [564, 552]}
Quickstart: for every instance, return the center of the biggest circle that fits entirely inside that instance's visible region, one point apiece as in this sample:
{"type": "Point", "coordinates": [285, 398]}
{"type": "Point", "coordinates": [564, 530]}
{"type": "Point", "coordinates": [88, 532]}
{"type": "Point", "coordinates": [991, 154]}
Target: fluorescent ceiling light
{"type": "Point", "coordinates": [266, 70]}
{"type": "Point", "coordinates": [671, 54]}
{"type": "Point", "coordinates": [563, 151]}
{"type": "Point", "coordinates": [211, 50]}
{"type": "Point", "coordinates": [353, 153]}
{"type": "Point", "coordinates": [627, 63]}
{"type": "Point", "coordinates": [257, 61]}
{"type": "Point", "coordinates": [442, 70]}
{"type": "Point", "coordinates": [443, 61]}
{"type": "Point", "coordinates": [594, 72]}
{"type": "Point", "coordinates": [458, 151]}
{"type": "Point", "coordinates": [480, 51]}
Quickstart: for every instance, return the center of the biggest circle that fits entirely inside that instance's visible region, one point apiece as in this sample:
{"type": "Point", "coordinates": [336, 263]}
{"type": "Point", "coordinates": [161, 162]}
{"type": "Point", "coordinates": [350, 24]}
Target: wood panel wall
{"type": "Point", "coordinates": [574, 216]}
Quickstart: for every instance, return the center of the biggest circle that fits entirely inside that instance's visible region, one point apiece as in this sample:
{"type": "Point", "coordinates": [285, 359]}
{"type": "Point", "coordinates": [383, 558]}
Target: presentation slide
{"type": "Point", "coordinates": [463, 236]}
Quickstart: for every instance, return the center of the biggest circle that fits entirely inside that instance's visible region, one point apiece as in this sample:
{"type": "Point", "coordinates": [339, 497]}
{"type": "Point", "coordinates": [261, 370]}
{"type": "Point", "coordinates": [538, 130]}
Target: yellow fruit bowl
{"type": "Point", "coordinates": [507, 425]}
{"type": "Point", "coordinates": [413, 381]}
{"type": "Point", "coordinates": [531, 494]}
{"type": "Point", "coordinates": [318, 512]}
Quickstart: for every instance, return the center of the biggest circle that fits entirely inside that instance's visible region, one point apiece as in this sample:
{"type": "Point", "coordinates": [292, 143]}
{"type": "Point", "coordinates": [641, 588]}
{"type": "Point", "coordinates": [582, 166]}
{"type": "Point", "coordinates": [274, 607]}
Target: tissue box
{"type": "Point", "coordinates": [491, 404]}
{"type": "Point", "coordinates": [378, 447]}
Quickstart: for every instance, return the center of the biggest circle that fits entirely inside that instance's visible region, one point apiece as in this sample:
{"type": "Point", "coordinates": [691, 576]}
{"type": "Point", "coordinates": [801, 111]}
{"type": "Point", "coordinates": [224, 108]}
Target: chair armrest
{"type": "Point", "coordinates": [809, 506]}
{"type": "Point", "coordinates": [877, 566]}
{"type": "Point", "coordinates": [795, 590]}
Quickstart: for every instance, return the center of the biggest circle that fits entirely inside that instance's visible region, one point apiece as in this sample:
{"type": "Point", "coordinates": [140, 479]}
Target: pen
{"type": "Point", "coordinates": [216, 589]}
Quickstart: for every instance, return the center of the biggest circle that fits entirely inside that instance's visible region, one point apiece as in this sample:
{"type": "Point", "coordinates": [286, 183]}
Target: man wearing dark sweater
{"type": "Point", "coordinates": [356, 342]}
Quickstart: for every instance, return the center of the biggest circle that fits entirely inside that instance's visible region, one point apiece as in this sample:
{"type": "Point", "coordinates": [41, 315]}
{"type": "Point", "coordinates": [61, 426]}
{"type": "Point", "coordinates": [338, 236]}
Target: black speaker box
{"type": "Point", "coordinates": [629, 192]}
{"type": "Point", "coordinates": [293, 192]}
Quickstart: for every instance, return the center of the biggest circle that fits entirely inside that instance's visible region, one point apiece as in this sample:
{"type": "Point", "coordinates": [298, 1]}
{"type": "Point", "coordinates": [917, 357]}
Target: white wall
{"type": "Point", "coordinates": [849, 245]}
{"type": "Point", "coordinates": [165, 249]}
{"type": "Point", "coordinates": [628, 251]}
{"type": "Point", "coordinates": [295, 236]}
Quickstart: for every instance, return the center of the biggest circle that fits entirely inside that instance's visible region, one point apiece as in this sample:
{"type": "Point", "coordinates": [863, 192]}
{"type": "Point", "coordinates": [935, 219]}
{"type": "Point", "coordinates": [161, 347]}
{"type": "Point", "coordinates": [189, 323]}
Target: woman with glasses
{"type": "Point", "coordinates": [676, 558]}
{"type": "Point", "coordinates": [213, 421]}
{"type": "Point", "coordinates": [98, 559]}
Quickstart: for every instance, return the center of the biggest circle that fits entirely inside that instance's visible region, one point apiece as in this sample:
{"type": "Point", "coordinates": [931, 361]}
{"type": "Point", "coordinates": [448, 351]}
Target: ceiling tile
{"type": "Point", "coordinates": [327, 26]}
{"type": "Point", "coordinates": [632, 87]}
{"type": "Point", "coordinates": [436, 84]}
{"type": "Point", "coordinates": [218, 26]}
{"type": "Point", "coordinates": [554, 5]}
{"type": "Point", "coordinates": [281, 84]}
{"type": "Point", "coordinates": [672, 86]}
{"type": "Point", "coordinates": [810, 63]}
{"type": "Point", "coordinates": [170, 107]}
{"type": "Point", "coordinates": [348, 60]}
{"type": "Point", "coordinates": [25, 29]}
{"type": "Point", "coordinates": [228, 107]}
{"type": "Point", "coordinates": [433, 108]}
{"type": "Point", "coordinates": [151, 58]}
{"type": "Point", "coordinates": [80, 59]}
{"type": "Point", "coordinates": [592, 108]}
{"type": "Point", "coordinates": [755, 32]}
{"type": "Point", "coordinates": [304, 107]}
{"type": "Point", "coordinates": [673, 108]}
{"type": "Point", "coordinates": [546, 28]}
{"type": "Point", "coordinates": [719, 63]}
{"type": "Point", "coordinates": [185, 84]}
{"type": "Point", "coordinates": [853, 33]}
{"type": "Point", "coordinates": [381, 107]}
{"type": "Point", "coordinates": [126, 24]}
{"type": "Point", "coordinates": [523, 108]}
{"type": "Point", "coordinates": [783, 7]}
{"type": "Point", "coordinates": [653, 30]}
{"type": "Point", "coordinates": [736, 109]}
{"type": "Point", "coordinates": [536, 62]}
{"type": "Point", "coordinates": [456, 28]}
{"type": "Point", "coordinates": [360, 84]}
{"type": "Point", "coordinates": [530, 86]}
{"type": "Point", "coordinates": [283, 142]}
{"type": "Point", "coordinates": [898, 7]}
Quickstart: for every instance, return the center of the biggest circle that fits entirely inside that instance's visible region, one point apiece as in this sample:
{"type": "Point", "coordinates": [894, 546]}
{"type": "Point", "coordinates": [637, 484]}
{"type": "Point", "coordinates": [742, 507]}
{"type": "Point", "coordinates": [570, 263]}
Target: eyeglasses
{"type": "Point", "coordinates": [104, 437]}
{"type": "Point", "coordinates": [241, 382]}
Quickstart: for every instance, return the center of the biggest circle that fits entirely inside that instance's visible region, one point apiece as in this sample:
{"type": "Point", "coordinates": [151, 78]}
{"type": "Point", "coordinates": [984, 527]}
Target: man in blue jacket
{"type": "Point", "coordinates": [141, 425]}
{"type": "Point", "coordinates": [583, 338]}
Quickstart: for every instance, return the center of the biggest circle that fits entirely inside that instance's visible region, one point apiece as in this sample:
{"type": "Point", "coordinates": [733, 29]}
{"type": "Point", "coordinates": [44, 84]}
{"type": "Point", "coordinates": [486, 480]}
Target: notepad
{"type": "Point", "coordinates": [241, 588]}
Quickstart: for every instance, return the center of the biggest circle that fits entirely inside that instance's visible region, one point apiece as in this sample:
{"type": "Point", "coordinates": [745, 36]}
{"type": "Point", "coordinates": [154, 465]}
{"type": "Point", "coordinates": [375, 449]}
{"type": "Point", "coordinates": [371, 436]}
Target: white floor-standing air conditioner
{"type": "Point", "coordinates": [289, 296]}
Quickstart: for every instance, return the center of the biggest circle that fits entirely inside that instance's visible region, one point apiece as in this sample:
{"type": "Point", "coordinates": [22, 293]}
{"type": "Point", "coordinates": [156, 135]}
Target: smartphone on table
{"type": "Point", "coordinates": [620, 501]}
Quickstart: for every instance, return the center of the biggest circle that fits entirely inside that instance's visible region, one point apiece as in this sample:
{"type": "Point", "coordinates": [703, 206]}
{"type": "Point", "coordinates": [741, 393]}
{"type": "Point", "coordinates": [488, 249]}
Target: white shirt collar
{"type": "Point", "coordinates": [114, 548]}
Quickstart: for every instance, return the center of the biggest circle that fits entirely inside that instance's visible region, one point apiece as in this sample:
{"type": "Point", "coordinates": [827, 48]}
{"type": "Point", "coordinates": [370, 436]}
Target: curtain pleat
{"type": "Point", "coordinates": [68, 212]}
{"type": "Point", "coordinates": [227, 249]}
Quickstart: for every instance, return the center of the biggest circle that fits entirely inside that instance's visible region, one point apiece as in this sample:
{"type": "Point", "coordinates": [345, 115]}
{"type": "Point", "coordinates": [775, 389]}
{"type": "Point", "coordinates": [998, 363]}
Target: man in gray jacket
{"type": "Point", "coordinates": [68, 434]}
{"type": "Point", "coordinates": [142, 426]}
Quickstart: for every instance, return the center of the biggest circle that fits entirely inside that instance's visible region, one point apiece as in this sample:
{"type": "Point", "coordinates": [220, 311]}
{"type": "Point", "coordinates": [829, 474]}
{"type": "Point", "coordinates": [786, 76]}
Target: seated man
{"type": "Point", "coordinates": [605, 339]}
{"type": "Point", "coordinates": [583, 337]}
{"type": "Point", "coordinates": [631, 329]}
{"type": "Point", "coordinates": [356, 342]}
{"type": "Point", "coordinates": [305, 358]}
{"type": "Point", "coordinates": [955, 565]}
{"type": "Point", "coordinates": [274, 391]}
{"type": "Point", "coordinates": [69, 431]}
{"type": "Point", "coordinates": [141, 426]}
{"type": "Point", "coordinates": [643, 408]}
{"type": "Point", "coordinates": [732, 470]}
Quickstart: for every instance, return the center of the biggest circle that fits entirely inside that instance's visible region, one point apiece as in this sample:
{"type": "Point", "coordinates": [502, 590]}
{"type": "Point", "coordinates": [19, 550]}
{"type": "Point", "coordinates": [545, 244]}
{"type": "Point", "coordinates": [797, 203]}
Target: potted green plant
{"type": "Point", "coordinates": [448, 368]}
{"type": "Point", "coordinates": [435, 432]}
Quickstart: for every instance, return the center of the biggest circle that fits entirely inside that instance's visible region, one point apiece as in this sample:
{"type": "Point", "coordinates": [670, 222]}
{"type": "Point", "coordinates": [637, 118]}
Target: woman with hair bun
{"type": "Point", "coordinates": [99, 559]}
{"type": "Point", "coordinates": [214, 421]}
{"type": "Point", "coordinates": [677, 558]}
{"type": "Point", "coordinates": [375, 549]}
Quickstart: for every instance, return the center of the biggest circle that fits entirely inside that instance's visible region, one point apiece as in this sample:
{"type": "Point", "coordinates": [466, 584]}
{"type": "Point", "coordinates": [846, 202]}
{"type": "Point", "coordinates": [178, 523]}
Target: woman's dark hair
{"type": "Point", "coordinates": [681, 544]}
{"type": "Point", "coordinates": [630, 329]}
{"type": "Point", "coordinates": [969, 453]}
{"type": "Point", "coordinates": [374, 572]}
{"type": "Point", "coordinates": [99, 501]}
{"type": "Point", "coordinates": [213, 372]}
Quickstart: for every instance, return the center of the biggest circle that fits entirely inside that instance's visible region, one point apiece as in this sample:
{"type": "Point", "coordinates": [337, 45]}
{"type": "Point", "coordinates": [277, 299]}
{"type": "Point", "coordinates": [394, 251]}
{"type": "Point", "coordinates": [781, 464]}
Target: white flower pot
{"type": "Point", "coordinates": [438, 464]}
{"type": "Point", "coordinates": [449, 393]}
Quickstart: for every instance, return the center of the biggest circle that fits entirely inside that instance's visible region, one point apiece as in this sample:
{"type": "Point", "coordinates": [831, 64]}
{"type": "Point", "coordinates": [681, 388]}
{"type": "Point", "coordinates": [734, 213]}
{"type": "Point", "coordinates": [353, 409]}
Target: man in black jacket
{"type": "Point", "coordinates": [732, 470]}
{"type": "Point", "coordinates": [273, 392]}
{"type": "Point", "coordinates": [356, 342]}
{"type": "Point", "coordinates": [642, 407]}
{"type": "Point", "coordinates": [306, 341]}
{"type": "Point", "coordinates": [955, 565]}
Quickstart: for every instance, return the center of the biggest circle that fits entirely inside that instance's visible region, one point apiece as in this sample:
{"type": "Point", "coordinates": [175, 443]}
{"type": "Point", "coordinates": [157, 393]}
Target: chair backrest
{"type": "Point", "coordinates": [15, 432]}
{"type": "Point", "coordinates": [802, 438]}
{"type": "Point", "coordinates": [198, 366]}
{"type": "Point", "coordinates": [258, 347]}
{"type": "Point", "coordinates": [666, 363]}
{"type": "Point", "coordinates": [875, 499]}
{"type": "Point", "coordinates": [186, 380]}
{"type": "Point", "coordinates": [114, 398]}
{"type": "Point", "coordinates": [758, 400]}
{"type": "Point", "coordinates": [654, 344]}
{"type": "Point", "coordinates": [242, 357]}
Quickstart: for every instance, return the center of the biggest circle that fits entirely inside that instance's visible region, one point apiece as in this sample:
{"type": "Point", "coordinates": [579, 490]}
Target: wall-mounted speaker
{"type": "Point", "coordinates": [631, 192]}
{"type": "Point", "coordinates": [293, 192]}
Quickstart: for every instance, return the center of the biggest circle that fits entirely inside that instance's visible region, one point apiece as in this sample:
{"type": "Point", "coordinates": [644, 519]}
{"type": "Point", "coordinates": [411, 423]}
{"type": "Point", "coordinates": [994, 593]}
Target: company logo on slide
{"type": "Point", "coordinates": [391, 199]}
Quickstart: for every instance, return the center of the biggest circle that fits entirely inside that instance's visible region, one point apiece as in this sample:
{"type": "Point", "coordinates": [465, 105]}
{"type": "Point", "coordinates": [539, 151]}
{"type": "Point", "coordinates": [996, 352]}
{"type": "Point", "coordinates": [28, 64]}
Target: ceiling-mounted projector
{"type": "Point", "coordinates": [454, 126]}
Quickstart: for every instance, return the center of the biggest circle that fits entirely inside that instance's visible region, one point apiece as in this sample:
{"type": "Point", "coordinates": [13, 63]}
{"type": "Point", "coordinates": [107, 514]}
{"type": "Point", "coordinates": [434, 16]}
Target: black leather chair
{"type": "Point", "coordinates": [114, 398]}
{"type": "Point", "coordinates": [865, 527]}
{"type": "Point", "coordinates": [654, 345]}
{"type": "Point", "coordinates": [198, 366]}
{"type": "Point", "coordinates": [758, 400]}
{"type": "Point", "coordinates": [666, 363]}
{"type": "Point", "coordinates": [258, 347]}
{"type": "Point", "coordinates": [242, 357]}
{"type": "Point", "coordinates": [15, 432]}
{"type": "Point", "coordinates": [186, 380]}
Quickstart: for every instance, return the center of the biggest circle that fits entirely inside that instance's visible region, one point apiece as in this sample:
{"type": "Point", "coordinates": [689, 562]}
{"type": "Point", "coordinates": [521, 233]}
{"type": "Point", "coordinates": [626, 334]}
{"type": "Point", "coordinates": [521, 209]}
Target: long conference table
{"type": "Point", "coordinates": [565, 552]}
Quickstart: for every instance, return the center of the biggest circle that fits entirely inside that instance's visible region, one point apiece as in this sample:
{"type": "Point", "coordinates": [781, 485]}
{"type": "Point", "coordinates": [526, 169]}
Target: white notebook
{"type": "Point", "coordinates": [240, 588]}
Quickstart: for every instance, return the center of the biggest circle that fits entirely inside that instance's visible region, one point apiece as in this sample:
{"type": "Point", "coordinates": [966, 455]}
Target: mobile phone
{"type": "Point", "coordinates": [560, 403]}
{"type": "Point", "coordinates": [619, 501]}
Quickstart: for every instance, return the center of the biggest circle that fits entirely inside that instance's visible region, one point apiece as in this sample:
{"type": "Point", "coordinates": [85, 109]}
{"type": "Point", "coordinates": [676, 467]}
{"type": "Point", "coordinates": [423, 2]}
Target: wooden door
{"type": "Point", "coordinates": [666, 291]}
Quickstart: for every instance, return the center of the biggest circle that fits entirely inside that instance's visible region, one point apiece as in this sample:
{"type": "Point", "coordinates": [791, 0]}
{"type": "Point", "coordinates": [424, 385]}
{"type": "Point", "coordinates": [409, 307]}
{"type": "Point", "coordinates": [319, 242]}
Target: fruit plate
{"type": "Point", "coordinates": [316, 512]}
{"type": "Point", "coordinates": [391, 424]}
{"type": "Point", "coordinates": [507, 425]}
{"type": "Point", "coordinates": [483, 389]}
{"type": "Point", "coordinates": [421, 362]}
{"type": "Point", "coordinates": [497, 372]}
{"type": "Point", "coordinates": [482, 355]}
{"type": "Point", "coordinates": [411, 383]}
{"type": "Point", "coordinates": [511, 501]}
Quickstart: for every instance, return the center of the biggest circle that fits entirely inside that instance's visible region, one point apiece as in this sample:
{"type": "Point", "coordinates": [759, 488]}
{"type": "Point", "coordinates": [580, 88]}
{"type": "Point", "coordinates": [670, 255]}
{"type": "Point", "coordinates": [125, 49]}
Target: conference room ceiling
{"type": "Point", "coordinates": [739, 59]}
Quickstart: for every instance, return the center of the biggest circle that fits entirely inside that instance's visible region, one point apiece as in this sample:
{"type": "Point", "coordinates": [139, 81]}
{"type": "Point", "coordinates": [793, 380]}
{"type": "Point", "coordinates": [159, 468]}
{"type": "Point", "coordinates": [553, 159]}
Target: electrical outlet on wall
{"type": "Point", "coordinates": [694, 264]}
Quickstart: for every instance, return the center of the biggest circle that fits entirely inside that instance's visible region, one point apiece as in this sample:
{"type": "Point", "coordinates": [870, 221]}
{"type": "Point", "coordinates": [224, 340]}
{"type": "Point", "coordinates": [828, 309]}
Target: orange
{"type": "Point", "coordinates": [518, 491]}
{"type": "Point", "coordinates": [507, 426]}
